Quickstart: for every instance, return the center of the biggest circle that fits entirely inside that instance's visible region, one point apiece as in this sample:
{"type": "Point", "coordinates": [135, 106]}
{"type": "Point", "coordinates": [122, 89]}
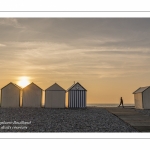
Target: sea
{"type": "Point", "coordinates": [109, 105]}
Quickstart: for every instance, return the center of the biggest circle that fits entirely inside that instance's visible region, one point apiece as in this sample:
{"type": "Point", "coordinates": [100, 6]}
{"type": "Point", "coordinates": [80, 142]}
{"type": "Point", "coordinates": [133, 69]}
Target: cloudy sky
{"type": "Point", "coordinates": [110, 57]}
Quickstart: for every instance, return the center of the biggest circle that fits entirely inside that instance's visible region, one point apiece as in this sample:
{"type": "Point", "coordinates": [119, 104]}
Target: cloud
{"type": "Point", "coordinates": [75, 47]}
{"type": "Point", "coordinates": [11, 22]}
{"type": "Point", "coordinates": [128, 52]}
{"type": "Point", "coordinates": [2, 45]}
{"type": "Point", "coordinates": [79, 32]}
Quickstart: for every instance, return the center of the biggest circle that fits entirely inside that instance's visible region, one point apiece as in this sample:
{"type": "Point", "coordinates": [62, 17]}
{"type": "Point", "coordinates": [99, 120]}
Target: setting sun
{"type": "Point", "coordinates": [23, 81]}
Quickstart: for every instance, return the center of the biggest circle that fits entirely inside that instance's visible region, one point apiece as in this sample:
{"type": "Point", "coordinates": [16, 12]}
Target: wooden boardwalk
{"type": "Point", "coordinates": [137, 120]}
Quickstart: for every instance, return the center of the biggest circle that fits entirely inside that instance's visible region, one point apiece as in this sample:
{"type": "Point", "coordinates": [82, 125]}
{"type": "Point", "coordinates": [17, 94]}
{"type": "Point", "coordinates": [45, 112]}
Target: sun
{"type": "Point", "coordinates": [23, 81]}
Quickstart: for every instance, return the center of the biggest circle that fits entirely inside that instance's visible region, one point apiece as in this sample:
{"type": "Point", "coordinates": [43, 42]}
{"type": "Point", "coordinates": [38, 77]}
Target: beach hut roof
{"type": "Point", "coordinates": [33, 84]}
{"type": "Point", "coordinates": [74, 85]}
{"type": "Point", "coordinates": [55, 87]}
{"type": "Point", "coordinates": [141, 89]}
{"type": "Point", "coordinates": [12, 84]}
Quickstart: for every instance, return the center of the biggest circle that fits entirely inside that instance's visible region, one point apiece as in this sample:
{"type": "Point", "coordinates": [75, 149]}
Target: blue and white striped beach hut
{"type": "Point", "coordinates": [76, 96]}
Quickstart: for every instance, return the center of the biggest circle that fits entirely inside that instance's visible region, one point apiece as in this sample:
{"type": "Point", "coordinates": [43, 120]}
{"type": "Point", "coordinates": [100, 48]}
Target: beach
{"type": "Point", "coordinates": [143, 111]}
{"type": "Point", "coordinates": [90, 119]}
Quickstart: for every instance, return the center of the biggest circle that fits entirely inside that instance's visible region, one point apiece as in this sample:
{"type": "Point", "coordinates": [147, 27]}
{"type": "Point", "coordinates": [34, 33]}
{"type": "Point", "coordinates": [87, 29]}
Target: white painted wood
{"type": "Point", "coordinates": [55, 87]}
{"type": "Point", "coordinates": [55, 97]}
{"type": "Point", "coordinates": [10, 96]}
{"type": "Point", "coordinates": [32, 96]}
{"type": "Point", "coordinates": [142, 98]}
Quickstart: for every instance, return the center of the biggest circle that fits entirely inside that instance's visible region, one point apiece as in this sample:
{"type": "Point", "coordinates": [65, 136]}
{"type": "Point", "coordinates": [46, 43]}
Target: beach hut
{"type": "Point", "coordinates": [142, 98]}
{"type": "Point", "coordinates": [77, 96]}
{"type": "Point", "coordinates": [10, 95]}
{"type": "Point", "coordinates": [55, 96]}
{"type": "Point", "coordinates": [32, 96]}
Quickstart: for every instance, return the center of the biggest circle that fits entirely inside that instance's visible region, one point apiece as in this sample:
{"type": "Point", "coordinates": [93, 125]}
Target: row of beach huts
{"type": "Point", "coordinates": [55, 96]}
{"type": "Point", "coordinates": [13, 95]}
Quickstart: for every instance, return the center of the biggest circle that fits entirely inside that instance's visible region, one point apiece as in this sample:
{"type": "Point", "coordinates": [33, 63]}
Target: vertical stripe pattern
{"type": "Point", "coordinates": [77, 99]}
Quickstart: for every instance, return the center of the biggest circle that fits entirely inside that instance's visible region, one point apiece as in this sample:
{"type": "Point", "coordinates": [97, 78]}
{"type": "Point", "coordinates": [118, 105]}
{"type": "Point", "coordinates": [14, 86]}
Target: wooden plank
{"type": "Point", "coordinates": [140, 122]}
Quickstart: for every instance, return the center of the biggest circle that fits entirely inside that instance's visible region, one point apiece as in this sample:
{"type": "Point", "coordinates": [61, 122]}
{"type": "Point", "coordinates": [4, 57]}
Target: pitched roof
{"type": "Point", "coordinates": [141, 89]}
{"type": "Point", "coordinates": [12, 84]}
{"type": "Point", "coordinates": [74, 85]}
{"type": "Point", "coordinates": [17, 86]}
{"type": "Point", "coordinates": [34, 84]}
{"type": "Point", "coordinates": [55, 87]}
{"type": "Point", "coordinates": [71, 87]}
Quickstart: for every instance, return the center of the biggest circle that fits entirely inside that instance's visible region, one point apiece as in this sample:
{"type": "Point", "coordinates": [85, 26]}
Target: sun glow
{"type": "Point", "coordinates": [23, 81]}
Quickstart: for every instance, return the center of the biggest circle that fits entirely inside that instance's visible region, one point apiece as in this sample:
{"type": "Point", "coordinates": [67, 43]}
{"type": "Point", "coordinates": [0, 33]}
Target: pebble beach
{"type": "Point", "coordinates": [90, 119]}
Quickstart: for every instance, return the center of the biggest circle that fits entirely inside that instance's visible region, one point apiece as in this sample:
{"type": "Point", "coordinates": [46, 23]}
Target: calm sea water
{"type": "Point", "coordinates": [109, 105]}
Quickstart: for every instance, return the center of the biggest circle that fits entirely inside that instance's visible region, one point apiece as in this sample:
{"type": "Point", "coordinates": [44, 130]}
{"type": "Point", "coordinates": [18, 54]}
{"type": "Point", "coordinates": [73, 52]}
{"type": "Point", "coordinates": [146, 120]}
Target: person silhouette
{"type": "Point", "coordinates": [121, 102]}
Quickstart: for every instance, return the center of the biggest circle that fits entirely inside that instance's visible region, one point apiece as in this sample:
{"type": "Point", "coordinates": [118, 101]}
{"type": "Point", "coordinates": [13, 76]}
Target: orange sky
{"type": "Point", "coordinates": [109, 57]}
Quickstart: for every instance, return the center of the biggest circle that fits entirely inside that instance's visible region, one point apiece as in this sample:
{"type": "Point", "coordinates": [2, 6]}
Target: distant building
{"type": "Point", "coordinates": [77, 96]}
{"type": "Point", "coordinates": [10, 95]}
{"type": "Point", "coordinates": [142, 98]}
{"type": "Point", "coordinates": [32, 96]}
{"type": "Point", "coordinates": [55, 96]}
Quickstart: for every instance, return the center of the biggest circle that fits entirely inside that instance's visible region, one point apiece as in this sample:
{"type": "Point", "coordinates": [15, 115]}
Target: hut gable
{"type": "Point", "coordinates": [55, 87]}
{"type": "Point", "coordinates": [10, 95]}
{"type": "Point", "coordinates": [17, 86]}
{"type": "Point", "coordinates": [77, 86]}
{"type": "Point", "coordinates": [55, 97]}
{"type": "Point", "coordinates": [32, 96]}
{"type": "Point", "coordinates": [10, 85]}
{"type": "Point", "coordinates": [77, 96]}
{"type": "Point", "coordinates": [142, 98]}
{"type": "Point", "coordinates": [32, 86]}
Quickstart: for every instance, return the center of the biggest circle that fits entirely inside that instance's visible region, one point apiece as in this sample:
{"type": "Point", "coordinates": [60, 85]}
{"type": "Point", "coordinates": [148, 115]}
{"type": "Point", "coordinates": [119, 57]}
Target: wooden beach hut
{"type": "Point", "coordinates": [10, 95]}
{"type": "Point", "coordinates": [32, 96]}
{"type": "Point", "coordinates": [77, 96]}
{"type": "Point", "coordinates": [55, 96]}
{"type": "Point", "coordinates": [142, 98]}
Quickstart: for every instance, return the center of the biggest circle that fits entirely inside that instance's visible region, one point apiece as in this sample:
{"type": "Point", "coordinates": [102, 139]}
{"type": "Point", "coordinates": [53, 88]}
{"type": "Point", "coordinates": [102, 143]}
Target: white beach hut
{"type": "Point", "coordinates": [10, 95]}
{"type": "Point", "coordinates": [142, 98]}
{"type": "Point", "coordinates": [55, 96]}
{"type": "Point", "coordinates": [77, 96]}
{"type": "Point", "coordinates": [32, 96]}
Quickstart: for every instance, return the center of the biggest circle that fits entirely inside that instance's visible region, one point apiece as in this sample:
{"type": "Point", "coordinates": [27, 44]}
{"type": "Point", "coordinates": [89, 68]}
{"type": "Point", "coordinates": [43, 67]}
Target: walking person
{"type": "Point", "coordinates": [121, 102]}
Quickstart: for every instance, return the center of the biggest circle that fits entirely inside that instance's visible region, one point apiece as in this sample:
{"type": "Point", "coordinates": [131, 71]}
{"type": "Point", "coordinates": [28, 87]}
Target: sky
{"type": "Point", "coordinates": [110, 57]}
